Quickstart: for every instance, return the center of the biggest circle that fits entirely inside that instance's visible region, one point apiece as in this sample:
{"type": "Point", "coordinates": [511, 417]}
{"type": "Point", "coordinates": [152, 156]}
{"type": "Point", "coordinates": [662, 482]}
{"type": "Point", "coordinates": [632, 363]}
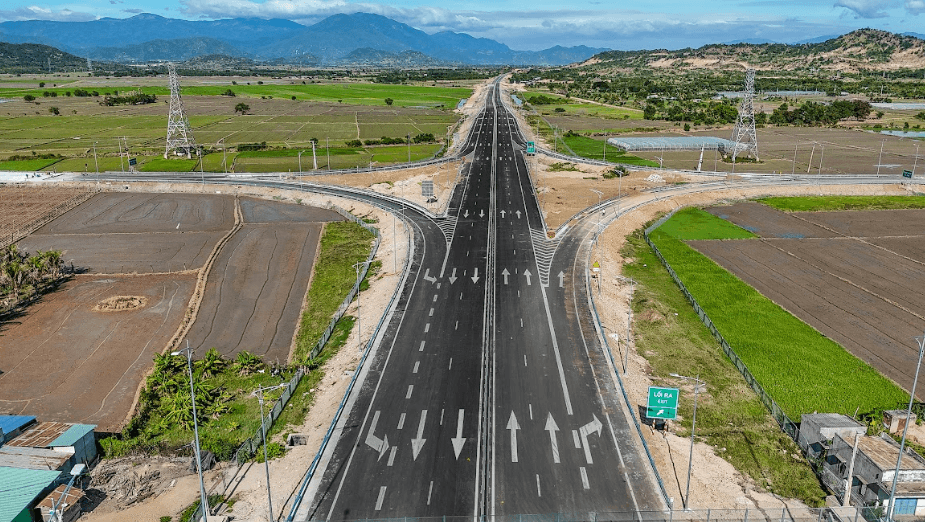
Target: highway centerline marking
{"type": "Point", "coordinates": [410, 389]}
{"type": "Point", "coordinates": [381, 498]}
{"type": "Point", "coordinates": [416, 365]}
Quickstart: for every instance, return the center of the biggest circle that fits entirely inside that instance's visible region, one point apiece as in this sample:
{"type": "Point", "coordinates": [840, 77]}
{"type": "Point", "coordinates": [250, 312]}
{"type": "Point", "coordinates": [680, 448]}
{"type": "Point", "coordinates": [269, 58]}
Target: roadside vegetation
{"type": "Point", "coordinates": [800, 368]}
{"type": "Point", "coordinates": [730, 417]}
{"type": "Point", "coordinates": [571, 142]}
{"type": "Point", "coordinates": [227, 411]}
{"type": "Point", "coordinates": [833, 203]}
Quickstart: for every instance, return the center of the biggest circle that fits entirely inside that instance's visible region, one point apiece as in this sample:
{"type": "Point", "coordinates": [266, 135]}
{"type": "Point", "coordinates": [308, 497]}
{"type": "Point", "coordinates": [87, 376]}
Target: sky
{"type": "Point", "coordinates": [539, 24]}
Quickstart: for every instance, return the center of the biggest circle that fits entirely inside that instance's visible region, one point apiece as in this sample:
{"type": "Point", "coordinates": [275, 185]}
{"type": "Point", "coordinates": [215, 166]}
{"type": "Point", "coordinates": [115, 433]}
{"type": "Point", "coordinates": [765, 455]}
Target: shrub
{"type": "Point", "coordinates": [354, 143]}
{"type": "Point", "coordinates": [28, 98]}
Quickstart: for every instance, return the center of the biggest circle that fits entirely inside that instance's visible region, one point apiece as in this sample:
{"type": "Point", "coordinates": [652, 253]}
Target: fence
{"type": "Point", "coordinates": [786, 424]}
{"type": "Point", "coordinates": [782, 514]}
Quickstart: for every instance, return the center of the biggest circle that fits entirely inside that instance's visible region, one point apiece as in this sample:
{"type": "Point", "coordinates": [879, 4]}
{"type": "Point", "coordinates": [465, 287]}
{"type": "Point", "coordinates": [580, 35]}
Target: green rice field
{"type": "Point", "coordinates": [799, 367]}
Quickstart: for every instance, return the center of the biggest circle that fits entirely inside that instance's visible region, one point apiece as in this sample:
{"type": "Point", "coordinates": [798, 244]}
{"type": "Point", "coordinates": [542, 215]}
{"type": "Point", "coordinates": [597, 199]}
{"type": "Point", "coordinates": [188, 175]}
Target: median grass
{"type": "Point", "coordinates": [730, 417]}
{"type": "Point", "coordinates": [835, 203]}
{"type": "Point", "coordinates": [342, 245]}
{"type": "Point", "coordinates": [800, 368]}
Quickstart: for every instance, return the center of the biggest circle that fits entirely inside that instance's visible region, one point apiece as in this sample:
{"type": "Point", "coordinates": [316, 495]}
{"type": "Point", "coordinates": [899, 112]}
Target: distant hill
{"type": "Point", "coordinates": [33, 59]}
{"type": "Point", "coordinates": [152, 37]}
{"type": "Point", "coordinates": [869, 49]}
{"type": "Point", "coordinates": [367, 57]}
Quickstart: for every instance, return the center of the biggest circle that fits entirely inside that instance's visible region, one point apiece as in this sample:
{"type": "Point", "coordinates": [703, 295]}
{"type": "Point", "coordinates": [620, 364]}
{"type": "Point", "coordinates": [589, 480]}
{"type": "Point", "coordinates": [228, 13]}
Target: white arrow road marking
{"type": "Point", "coordinates": [502, 214]}
{"type": "Point", "coordinates": [513, 426]}
{"type": "Point", "coordinates": [589, 428]}
{"type": "Point", "coordinates": [475, 276]}
{"type": "Point", "coordinates": [374, 442]}
{"type": "Point", "coordinates": [453, 277]}
{"type": "Point", "coordinates": [428, 277]}
{"type": "Point", "coordinates": [466, 213]}
{"type": "Point", "coordinates": [552, 428]}
{"type": "Point", "coordinates": [518, 214]}
{"type": "Point", "coordinates": [418, 443]}
{"type": "Point", "coordinates": [528, 275]}
{"type": "Point", "coordinates": [459, 440]}
{"type": "Point", "coordinates": [505, 273]}
{"type": "Point", "coordinates": [561, 279]}
{"type": "Point", "coordinates": [481, 212]}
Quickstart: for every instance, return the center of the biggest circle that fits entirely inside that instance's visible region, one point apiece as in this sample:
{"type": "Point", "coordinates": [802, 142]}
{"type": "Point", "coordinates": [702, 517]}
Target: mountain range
{"type": "Point", "coordinates": [149, 37]}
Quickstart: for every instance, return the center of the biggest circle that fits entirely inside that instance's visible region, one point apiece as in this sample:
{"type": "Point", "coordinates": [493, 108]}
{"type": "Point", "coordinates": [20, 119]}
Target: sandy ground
{"type": "Point", "coordinates": [715, 483]}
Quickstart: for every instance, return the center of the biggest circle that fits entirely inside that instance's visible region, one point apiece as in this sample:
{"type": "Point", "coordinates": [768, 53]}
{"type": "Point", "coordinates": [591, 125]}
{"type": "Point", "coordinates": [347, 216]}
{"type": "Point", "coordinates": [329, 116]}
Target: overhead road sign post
{"type": "Point", "coordinates": [662, 404]}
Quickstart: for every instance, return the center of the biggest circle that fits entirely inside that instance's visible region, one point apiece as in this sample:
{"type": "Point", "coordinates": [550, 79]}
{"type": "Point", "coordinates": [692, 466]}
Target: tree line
{"type": "Point", "coordinates": [23, 275]}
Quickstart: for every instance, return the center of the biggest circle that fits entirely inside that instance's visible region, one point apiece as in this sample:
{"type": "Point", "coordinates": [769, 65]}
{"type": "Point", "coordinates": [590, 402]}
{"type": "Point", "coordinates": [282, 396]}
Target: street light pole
{"type": "Point", "coordinates": [880, 161]}
{"type": "Point", "coordinates": [914, 165]}
{"type": "Point", "coordinates": [300, 161]}
{"type": "Point", "coordinates": [690, 459]}
{"type": "Point", "coordinates": [263, 429]}
{"type": "Point", "coordinates": [204, 502]}
{"type": "Point", "coordinates": [97, 163]}
{"type": "Point", "coordinates": [359, 322]}
{"type": "Point", "coordinates": [902, 444]}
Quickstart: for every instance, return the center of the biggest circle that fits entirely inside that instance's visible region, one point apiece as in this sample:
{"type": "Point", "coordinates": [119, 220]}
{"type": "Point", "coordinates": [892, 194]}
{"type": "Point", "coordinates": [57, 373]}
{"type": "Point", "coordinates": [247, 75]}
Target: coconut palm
{"type": "Point", "coordinates": [13, 273]}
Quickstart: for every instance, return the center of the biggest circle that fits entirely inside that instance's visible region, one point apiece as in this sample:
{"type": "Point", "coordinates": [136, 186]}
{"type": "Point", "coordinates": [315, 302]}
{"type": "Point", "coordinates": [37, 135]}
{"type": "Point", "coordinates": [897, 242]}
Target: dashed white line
{"type": "Point", "coordinates": [421, 349]}
{"type": "Point", "coordinates": [441, 416]}
{"type": "Point", "coordinates": [426, 327]}
{"type": "Point", "coordinates": [525, 360]}
{"type": "Point", "coordinates": [521, 322]}
{"type": "Point", "coordinates": [410, 389]}
{"type": "Point", "coordinates": [451, 364]}
{"type": "Point", "coordinates": [577, 439]}
{"type": "Point", "coordinates": [435, 298]}
{"type": "Point", "coordinates": [392, 456]}
{"type": "Point", "coordinates": [381, 498]}
{"type": "Point", "coordinates": [417, 364]}
{"type": "Point", "coordinates": [531, 410]}
{"type": "Point", "coordinates": [584, 478]}
{"type": "Point", "coordinates": [538, 492]}
{"type": "Point", "coordinates": [457, 326]}
{"type": "Point", "coordinates": [429, 491]}
{"type": "Point", "coordinates": [431, 312]}
{"type": "Point", "coordinates": [401, 421]}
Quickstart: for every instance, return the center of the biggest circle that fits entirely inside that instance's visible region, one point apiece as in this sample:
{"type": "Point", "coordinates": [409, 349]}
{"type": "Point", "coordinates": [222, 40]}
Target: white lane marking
{"type": "Point", "coordinates": [584, 478]}
{"type": "Point", "coordinates": [555, 346]}
{"type": "Point", "coordinates": [460, 296]}
{"type": "Point", "coordinates": [451, 364]}
{"type": "Point", "coordinates": [435, 298]}
{"type": "Point", "coordinates": [392, 455]}
{"type": "Point", "coordinates": [530, 406]}
{"type": "Point", "coordinates": [381, 498]}
{"type": "Point", "coordinates": [417, 364]}
{"type": "Point", "coordinates": [521, 322]}
{"type": "Point", "coordinates": [429, 490]}
{"type": "Point", "coordinates": [538, 492]}
{"type": "Point", "coordinates": [455, 327]}
{"type": "Point", "coordinates": [401, 421]}
{"type": "Point", "coordinates": [426, 327]}
{"type": "Point", "coordinates": [422, 346]}
{"type": "Point", "coordinates": [431, 312]}
{"type": "Point", "coordinates": [439, 285]}
{"type": "Point", "coordinates": [576, 439]}
{"type": "Point", "coordinates": [441, 416]}
{"type": "Point", "coordinates": [525, 360]}
{"type": "Point", "coordinates": [410, 389]}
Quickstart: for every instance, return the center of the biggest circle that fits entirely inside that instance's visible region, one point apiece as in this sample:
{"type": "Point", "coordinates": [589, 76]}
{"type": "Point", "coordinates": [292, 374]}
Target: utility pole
{"type": "Point", "coordinates": [821, 157]}
{"type": "Point", "coordinates": [810, 164]}
{"type": "Point", "coordinates": [409, 148]}
{"type": "Point", "coordinates": [203, 501]}
{"type": "Point", "coordinates": [259, 392]}
{"type": "Point", "coordinates": [95, 161]}
{"type": "Point", "coordinates": [121, 162]}
{"type": "Point", "coordinates": [916, 164]}
{"type": "Point", "coordinates": [314, 157]}
{"type": "Point", "coordinates": [690, 459]}
{"type": "Point", "coordinates": [850, 480]}
{"type": "Point", "coordinates": [794, 163]}
{"type": "Point", "coordinates": [880, 160]}
{"type": "Point", "coordinates": [902, 444]}
{"type": "Point", "coordinates": [327, 146]}
{"type": "Point", "coordinates": [359, 323]}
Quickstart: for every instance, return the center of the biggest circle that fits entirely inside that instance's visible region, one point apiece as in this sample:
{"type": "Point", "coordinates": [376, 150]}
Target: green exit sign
{"type": "Point", "coordinates": [663, 403]}
{"type": "Point", "coordinates": [531, 147]}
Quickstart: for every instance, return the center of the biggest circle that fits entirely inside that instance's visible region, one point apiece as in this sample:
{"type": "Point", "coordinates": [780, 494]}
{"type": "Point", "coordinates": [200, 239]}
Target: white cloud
{"type": "Point", "coordinates": [915, 7]}
{"type": "Point", "coordinates": [34, 12]}
{"type": "Point", "coordinates": [866, 8]}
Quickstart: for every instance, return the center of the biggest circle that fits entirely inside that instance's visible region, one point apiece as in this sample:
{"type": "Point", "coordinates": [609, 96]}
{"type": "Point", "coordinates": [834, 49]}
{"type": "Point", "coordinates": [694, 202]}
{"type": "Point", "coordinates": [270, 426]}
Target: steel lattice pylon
{"type": "Point", "coordinates": [179, 135]}
{"type": "Point", "coordinates": [744, 135]}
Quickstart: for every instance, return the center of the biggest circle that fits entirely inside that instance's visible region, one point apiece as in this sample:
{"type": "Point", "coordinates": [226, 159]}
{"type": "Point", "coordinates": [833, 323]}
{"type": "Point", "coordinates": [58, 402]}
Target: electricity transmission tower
{"type": "Point", "coordinates": [179, 135]}
{"type": "Point", "coordinates": [744, 135]}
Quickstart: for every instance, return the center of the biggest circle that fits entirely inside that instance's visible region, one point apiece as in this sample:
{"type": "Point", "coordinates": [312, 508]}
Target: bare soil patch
{"type": "Point", "coordinates": [26, 206]}
{"type": "Point", "coordinates": [65, 361]}
{"type": "Point", "coordinates": [121, 303]}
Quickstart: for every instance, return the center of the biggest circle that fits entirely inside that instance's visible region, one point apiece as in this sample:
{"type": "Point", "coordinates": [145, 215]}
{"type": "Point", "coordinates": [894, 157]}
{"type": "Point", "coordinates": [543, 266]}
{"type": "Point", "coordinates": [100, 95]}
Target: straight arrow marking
{"type": "Point", "coordinates": [459, 440]}
{"type": "Point", "coordinates": [475, 276]}
{"type": "Point", "coordinates": [453, 277]}
{"type": "Point", "coordinates": [527, 274]}
{"type": "Point", "coordinates": [561, 279]}
{"type": "Point", "coordinates": [418, 443]}
{"type": "Point", "coordinates": [552, 428]}
{"type": "Point", "coordinates": [505, 273]}
{"type": "Point", "coordinates": [513, 426]}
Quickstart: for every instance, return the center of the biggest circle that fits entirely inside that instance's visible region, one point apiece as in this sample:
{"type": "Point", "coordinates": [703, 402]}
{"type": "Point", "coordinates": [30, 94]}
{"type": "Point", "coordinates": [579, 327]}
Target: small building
{"type": "Point", "coordinates": [76, 440]}
{"type": "Point", "coordinates": [817, 430]}
{"type": "Point", "coordinates": [874, 469]}
{"type": "Point", "coordinates": [12, 425]}
{"type": "Point", "coordinates": [22, 490]}
{"type": "Point", "coordinates": [67, 506]}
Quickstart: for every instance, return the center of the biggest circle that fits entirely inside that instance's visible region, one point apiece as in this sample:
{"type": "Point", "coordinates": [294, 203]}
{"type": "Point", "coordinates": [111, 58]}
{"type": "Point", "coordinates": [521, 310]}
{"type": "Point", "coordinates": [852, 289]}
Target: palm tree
{"type": "Point", "coordinates": [13, 271]}
{"type": "Point", "coordinates": [53, 258]}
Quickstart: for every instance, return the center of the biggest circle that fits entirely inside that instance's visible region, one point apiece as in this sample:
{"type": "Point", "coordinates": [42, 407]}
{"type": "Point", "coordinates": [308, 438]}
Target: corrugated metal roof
{"type": "Point", "coordinates": [40, 436]}
{"type": "Point", "coordinates": [72, 435]}
{"type": "Point", "coordinates": [11, 423]}
{"type": "Point", "coordinates": [34, 458]}
{"type": "Point", "coordinates": [20, 487]}
{"type": "Point", "coordinates": [73, 496]}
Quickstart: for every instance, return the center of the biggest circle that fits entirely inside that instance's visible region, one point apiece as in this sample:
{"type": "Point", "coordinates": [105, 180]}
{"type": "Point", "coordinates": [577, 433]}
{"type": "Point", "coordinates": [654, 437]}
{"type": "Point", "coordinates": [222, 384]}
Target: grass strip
{"type": "Point", "coordinates": [730, 417]}
{"type": "Point", "coordinates": [342, 245]}
{"type": "Point", "coordinates": [799, 367]}
{"type": "Point", "coordinates": [29, 165]}
{"type": "Point", "coordinates": [834, 203]}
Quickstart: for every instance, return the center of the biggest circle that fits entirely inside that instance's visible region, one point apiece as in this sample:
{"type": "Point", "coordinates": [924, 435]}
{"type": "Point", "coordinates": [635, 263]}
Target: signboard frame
{"type": "Point", "coordinates": [662, 403]}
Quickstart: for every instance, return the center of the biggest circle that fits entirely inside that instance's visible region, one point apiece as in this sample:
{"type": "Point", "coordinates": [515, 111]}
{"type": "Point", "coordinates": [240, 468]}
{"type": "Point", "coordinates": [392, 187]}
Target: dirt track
{"type": "Point", "coordinates": [853, 289]}
{"type": "Point", "coordinates": [64, 361]}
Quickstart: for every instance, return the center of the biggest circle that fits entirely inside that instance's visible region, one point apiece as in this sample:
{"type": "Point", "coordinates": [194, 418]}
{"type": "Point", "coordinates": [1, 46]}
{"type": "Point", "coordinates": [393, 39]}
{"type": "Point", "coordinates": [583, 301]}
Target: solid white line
{"type": "Point", "coordinates": [401, 421]}
{"type": "Point", "coordinates": [555, 347]}
{"type": "Point", "coordinates": [538, 492]}
{"type": "Point", "coordinates": [416, 365]}
{"type": "Point", "coordinates": [584, 478]}
{"type": "Point", "coordinates": [392, 455]}
{"type": "Point", "coordinates": [410, 389]}
{"type": "Point", "coordinates": [381, 498]}
{"type": "Point", "coordinates": [430, 490]}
